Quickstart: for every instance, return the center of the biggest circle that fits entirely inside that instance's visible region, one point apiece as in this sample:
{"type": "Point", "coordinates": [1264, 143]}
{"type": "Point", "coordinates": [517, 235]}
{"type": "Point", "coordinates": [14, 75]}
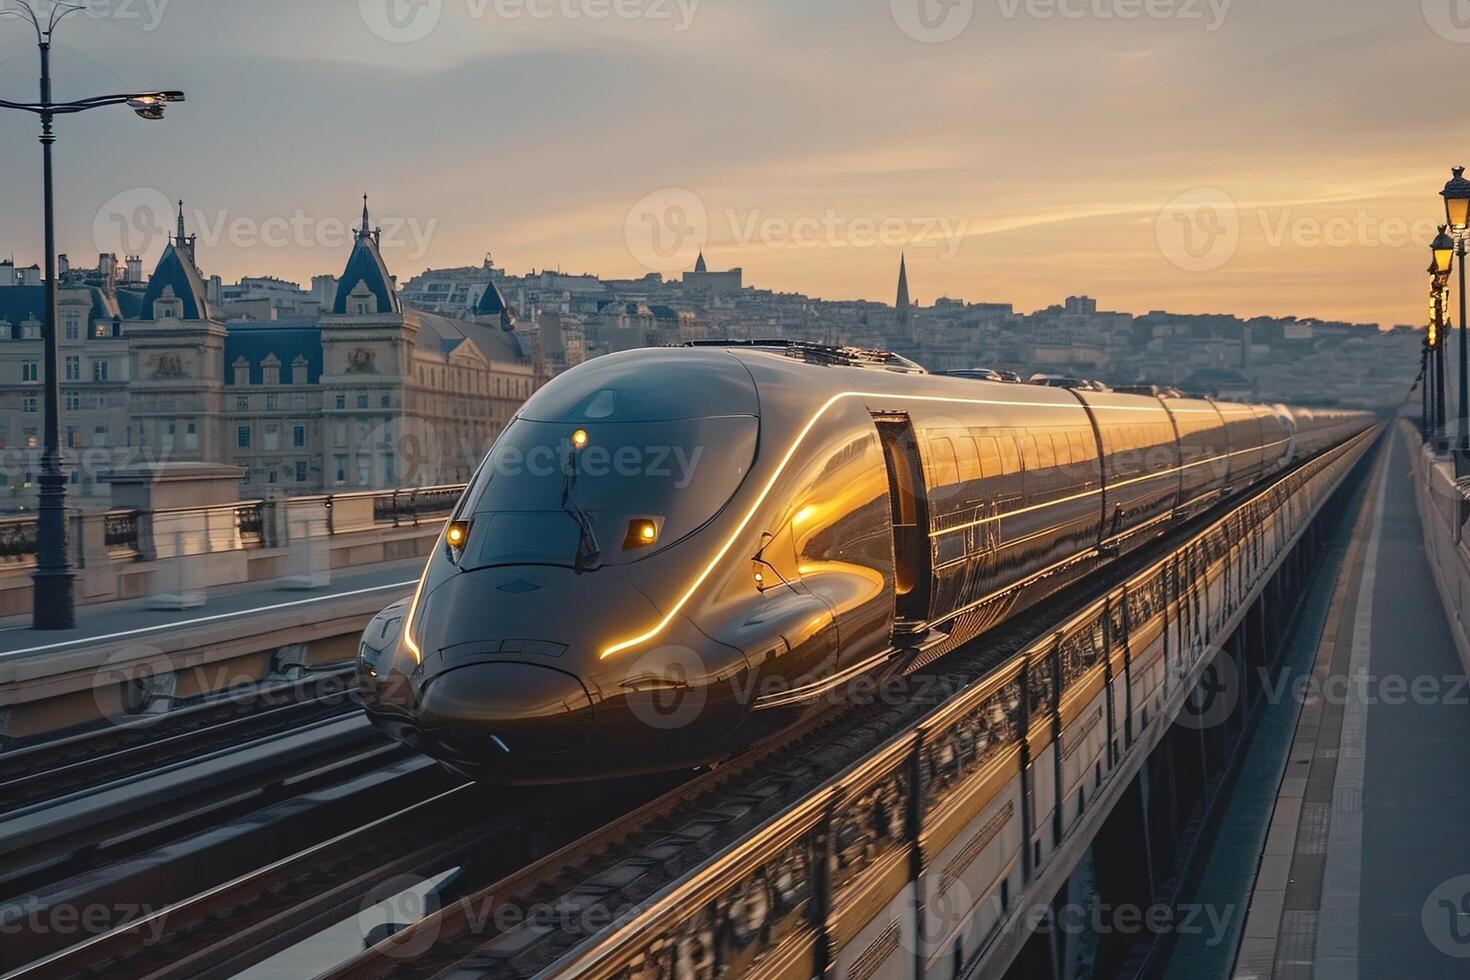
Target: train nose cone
{"type": "Point", "coordinates": [517, 709]}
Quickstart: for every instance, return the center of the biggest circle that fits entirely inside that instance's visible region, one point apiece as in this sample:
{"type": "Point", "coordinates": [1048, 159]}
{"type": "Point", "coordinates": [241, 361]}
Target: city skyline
{"type": "Point", "coordinates": [543, 146]}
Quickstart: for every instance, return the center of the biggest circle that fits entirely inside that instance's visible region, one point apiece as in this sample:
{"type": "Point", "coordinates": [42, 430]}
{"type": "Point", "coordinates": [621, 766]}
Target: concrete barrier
{"type": "Point", "coordinates": [1444, 510]}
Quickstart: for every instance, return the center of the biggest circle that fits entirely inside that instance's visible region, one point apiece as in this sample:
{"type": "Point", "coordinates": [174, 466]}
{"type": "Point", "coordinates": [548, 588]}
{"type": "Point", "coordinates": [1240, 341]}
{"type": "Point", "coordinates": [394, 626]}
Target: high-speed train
{"type": "Point", "coordinates": [670, 551]}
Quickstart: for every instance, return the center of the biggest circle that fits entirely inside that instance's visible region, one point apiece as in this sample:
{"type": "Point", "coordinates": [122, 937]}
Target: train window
{"type": "Point", "coordinates": [1029, 454]}
{"type": "Point", "coordinates": [971, 468]}
{"type": "Point", "coordinates": [1046, 455]}
{"type": "Point", "coordinates": [1010, 455]}
{"type": "Point", "coordinates": [944, 465]}
{"type": "Point", "coordinates": [990, 458]}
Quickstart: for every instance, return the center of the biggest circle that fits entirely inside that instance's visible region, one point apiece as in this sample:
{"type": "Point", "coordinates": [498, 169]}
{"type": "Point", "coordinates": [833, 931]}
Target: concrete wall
{"type": "Point", "coordinates": [1444, 511]}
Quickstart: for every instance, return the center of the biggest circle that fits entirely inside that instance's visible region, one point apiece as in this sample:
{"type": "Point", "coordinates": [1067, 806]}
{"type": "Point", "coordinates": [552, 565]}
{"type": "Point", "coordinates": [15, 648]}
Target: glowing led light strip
{"type": "Point", "coordinates": [760, 500]}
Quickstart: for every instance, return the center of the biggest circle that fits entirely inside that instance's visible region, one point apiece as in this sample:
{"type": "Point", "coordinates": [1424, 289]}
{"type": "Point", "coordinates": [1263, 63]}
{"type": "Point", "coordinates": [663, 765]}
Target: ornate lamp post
{"type": "Point", "coordinates": [53, 605]}
{"type": "Point", "coordinates": [1456, 196]}
{"type": "Point", "coordinates": [1443, 250]}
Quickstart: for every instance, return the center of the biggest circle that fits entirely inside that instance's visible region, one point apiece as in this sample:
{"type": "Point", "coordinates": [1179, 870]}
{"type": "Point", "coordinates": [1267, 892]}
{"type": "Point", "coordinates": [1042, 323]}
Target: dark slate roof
{"type": "Point", "coordinates": [664, 312]}
{"type": "Point", "coordinates": [286, 338]}
{"type": "Point", "coordinates": [19, 304]}
{"type": "Point", "coordinates": [492, 341]}
{"type": "Point", "coordinates": [176, 269]}
{"type": "Point", "coordinates": [130, 304]}
{"type": "Point", "coordinates": [366, 265]}
{"type": "Point", "coordinates": [492, 303]}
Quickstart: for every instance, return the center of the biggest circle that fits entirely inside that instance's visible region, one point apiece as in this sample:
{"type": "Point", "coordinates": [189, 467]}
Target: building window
{"type": "Point", "coordinates": [28, 371]}
{"type": "Point", "coordinates": [28, 404]}
{"type": "Point", "coordinates": [73, 438]}
{"type": "Point", "coordinates": [272, 477]}
{"type": "Point", "coordinates": [99, 436]}
{"type": "Point", "coordinates": [270, 375]}
{"type": "Point", "coordinates": [364, 471]}
{"type": "Point", "coordinates": [73, 402]}
{"type": "Point", "coordinates": [30, 444]}
{"type": "Point", "coordinates": [99, 370]}
{"type": "Point", "coordinates": [362, 399]}
{"type": "Point", "coordinates": [191, 436]}
{"type": "Point", "coordinates": [99, 331]}
{"type": "Point", "coordinates": [300, 471]}
{"type": "Point", "coordinates": [242, 437]}
{"type": "Point", "coordinates": [298, 436]}
{"type": "Point", "coordinates": [242, 403]}
{"type": "Point", "coordinates": [341, 464]}
{"type": "Point", "coordinates": [387, 400]}
{"type": "Point", "coordinates": [73, 368]}
{"type": "Point", "coordinates": [168, 437]}
{"type": "Point", "coordinates": [271, 402]}
{"type": "Point", "coordinates": [272, 438]}
{"type": "Point", "coordinates": [73, 330]}
{"type": "Point", "coordinates": [341, 400]}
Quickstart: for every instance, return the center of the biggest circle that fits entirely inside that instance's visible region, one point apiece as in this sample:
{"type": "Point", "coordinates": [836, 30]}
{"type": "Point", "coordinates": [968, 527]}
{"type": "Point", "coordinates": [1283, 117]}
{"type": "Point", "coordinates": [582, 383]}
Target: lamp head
{"type": "Point", "coordinates": [1456, 196]}
{"type": "Point", "coordinates": [1443, 248]}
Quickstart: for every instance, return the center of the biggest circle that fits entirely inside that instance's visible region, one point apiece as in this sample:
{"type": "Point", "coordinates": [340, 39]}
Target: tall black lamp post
{"type": "Point", "coordinates": [1457, 209]}
{"type": "Point", "coordinates": [1443, 250]}
{"type": "Point", "coordinates": [53, 606]}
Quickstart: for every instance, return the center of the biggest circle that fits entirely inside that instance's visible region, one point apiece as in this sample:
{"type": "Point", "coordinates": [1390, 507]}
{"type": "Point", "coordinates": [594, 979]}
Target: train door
{"type": "Point", "coordinates": [908, 498]}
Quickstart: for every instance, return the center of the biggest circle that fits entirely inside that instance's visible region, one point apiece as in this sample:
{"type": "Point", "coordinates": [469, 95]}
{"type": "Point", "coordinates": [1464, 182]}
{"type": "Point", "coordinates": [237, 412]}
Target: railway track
{"type": "Point", "coordinates": [521, 924]}
{"type": "Point", "coordinates": [49, 769]}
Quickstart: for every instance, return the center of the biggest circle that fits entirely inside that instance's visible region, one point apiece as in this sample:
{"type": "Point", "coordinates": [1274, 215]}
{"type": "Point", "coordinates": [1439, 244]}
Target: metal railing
{"type": "Point", "coordinates": [17, 538]}
{"type": "Point", "coordinates": [120, 529]}
{"type": "Point", "coordinates": [399, 507]}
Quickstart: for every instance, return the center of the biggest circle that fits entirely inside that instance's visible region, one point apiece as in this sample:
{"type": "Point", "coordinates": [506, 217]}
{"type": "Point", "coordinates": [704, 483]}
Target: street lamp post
{"type": "Point", "coordinates": [1443, 250]}
{"type": "Point", "coordinates": [53, 604]}
{"type": "Point", "coordinates": [1456, 196]}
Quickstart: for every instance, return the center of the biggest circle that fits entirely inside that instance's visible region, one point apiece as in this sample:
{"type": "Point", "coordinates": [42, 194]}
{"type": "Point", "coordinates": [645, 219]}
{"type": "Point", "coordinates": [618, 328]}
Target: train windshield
{"type": "Point", "coordinates": [555, 493]}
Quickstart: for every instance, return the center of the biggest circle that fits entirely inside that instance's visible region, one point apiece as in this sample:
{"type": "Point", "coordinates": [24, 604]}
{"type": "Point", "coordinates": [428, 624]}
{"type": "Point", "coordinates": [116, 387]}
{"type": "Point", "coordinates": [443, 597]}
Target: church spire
{"type": "Point", "coordinates": [699, 265]}
{"type": "Point", "coordinates": [366, 226]}
{"type": "Point", "coordinates": [180, 236]}
{"type": "Point", "coordinates": [902, 305]}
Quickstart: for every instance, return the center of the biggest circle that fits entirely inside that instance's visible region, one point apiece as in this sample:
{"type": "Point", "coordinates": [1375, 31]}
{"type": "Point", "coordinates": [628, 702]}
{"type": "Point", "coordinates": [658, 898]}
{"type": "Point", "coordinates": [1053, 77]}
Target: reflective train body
{"type": "Point", "coordinates": [671, 552]}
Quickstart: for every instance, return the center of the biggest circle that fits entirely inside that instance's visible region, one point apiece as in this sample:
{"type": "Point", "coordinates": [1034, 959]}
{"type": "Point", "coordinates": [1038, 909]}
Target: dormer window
{"type": "Point", "coordinates": [298, 371]}
{"type": "Point", "coordinates": [242, 371]}
{"type": "Point", "coordinates": [361, 301]}
{"type": "Point", "coordinates": [270, 370]}
{"type": "Point", "coordinates": [168, 306]}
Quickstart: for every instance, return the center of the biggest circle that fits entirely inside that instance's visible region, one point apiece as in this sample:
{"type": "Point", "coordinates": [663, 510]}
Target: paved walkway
{"type": "Point", "coordinates": [1366, 868]}
{"type": "Point", "coordinates": [110, 621]}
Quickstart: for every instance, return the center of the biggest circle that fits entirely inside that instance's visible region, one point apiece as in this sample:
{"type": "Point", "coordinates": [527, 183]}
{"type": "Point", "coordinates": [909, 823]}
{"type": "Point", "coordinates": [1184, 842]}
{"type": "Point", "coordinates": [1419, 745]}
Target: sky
{"type": "Point", "coordinates": [1255, 157]}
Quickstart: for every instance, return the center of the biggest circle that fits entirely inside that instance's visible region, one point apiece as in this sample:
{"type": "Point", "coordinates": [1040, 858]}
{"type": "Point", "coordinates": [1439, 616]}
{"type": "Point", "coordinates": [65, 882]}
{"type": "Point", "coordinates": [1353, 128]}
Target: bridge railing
{"type": "Point", "coordinates": [966, 812]}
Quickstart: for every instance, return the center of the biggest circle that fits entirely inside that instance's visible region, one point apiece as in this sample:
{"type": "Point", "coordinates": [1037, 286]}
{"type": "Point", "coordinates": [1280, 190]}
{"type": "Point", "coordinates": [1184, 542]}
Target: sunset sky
{"type": "Point", "coordinates": [1251, 157]}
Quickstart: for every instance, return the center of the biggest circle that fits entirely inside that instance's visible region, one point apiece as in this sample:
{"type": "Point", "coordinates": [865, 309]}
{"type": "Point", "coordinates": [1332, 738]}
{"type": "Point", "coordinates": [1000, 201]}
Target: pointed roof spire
{"type": "Point", "coordinates": [699, 265]}
{"type": "Point", "coordinates": [366, 227]}
{"type": "Point", "coordinates": [180, 236]}
{"type": "Point", "coordinates": [901, 306]}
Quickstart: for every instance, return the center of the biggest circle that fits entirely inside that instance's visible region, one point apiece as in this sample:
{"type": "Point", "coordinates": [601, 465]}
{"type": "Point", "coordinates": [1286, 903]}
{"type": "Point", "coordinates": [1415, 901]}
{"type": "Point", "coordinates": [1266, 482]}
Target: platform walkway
{"type": "Point", "coordinates": [1365, 871]}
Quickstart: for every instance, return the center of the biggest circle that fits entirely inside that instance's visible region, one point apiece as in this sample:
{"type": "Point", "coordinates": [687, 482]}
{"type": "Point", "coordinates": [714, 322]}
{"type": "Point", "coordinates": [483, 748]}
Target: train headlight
{"type": "Point", "coordinates": [457, 534]}
{"type": "Point", "coordinates": [642, 533]}
{"type": "Point", "coordinates": [580, 438]}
